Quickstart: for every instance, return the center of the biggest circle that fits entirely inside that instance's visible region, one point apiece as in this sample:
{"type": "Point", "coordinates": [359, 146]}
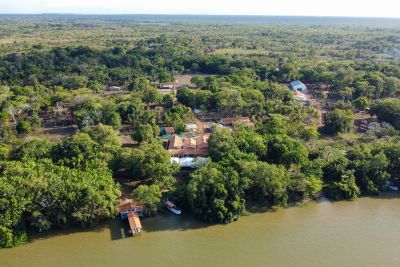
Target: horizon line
{"type": "Point", "coordinates": [193, 14]}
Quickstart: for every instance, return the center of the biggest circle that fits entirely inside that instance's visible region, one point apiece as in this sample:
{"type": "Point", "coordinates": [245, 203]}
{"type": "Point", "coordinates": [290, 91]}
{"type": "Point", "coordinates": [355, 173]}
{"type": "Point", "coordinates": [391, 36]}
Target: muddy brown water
{"type": "Point", "coordinates": [365, 232]}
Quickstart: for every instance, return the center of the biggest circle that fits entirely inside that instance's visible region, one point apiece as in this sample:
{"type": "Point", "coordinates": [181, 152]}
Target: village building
{"type": "Point", "coordinates": [114, 88]}
{"type": "Point", "coordinates": [189, 143]}
{"type": "Point", "coordinates": [186, 147]}
{"type": "Point", "coordinates": [231, 120]}
{"type": "Point", "coordinates": [298, 86]}
{"type": "Point", "coordinates": [126, 208]}
{"type": "Point", "coordinates": [167, 131]}
{"type": "Point", "coordinates": [167, 89]}
{"type": "Point", "coordinates": [201, 142]}
{"type": "Point", "coordinates": [175, 142]}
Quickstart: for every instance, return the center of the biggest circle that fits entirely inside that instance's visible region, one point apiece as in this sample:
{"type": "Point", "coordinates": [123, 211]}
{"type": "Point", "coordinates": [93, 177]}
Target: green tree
{"type": "Point", "coordinates": [268, 183]}
{"type": "Point", "coordinates": [23, 127]}
{"type": "Point", "coordinates": [339, 121]}
{"type": "Point", "coordinates": [229, 102]}
{"type": "Point", "coordinates": [221, 144]}
{"type": "Point", "coordinates": [34, 149]}
{"type": "Point", "coordinates": [149, 196]}
{"type": "Point", "coordinates": [362, 103]}
{"type": "Point", "coordinates": [75, 150]}
{"type": "Point", "coordinates": [343, 188]}
{"type": "Point", "coordinates": [215, 196]}
{"type": "Point", "coordinates": [370, 169]}
{"type": "Point", "coordinates": [150, 162]}
{"type": "Point", "coordinates": [168, 101]}
{"type": "Point", "coordinates": [104, 135]}
{"type": "Point", "coordinates": [145, 133]}
{"type": "Point", "coordinates": [42, 195]}
{"type": "Point", "coordinates": [388, 110]}
{"type": "Point", "coordinates": [139, 84]}
{"type": "Point", "coordinates": [248, 141]}
{"type": "Point", "coordinates": [283, 149]}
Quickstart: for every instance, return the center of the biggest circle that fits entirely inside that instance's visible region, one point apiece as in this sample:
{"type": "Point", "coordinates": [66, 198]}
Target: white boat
{"type": "Point", "coordinates": [171, 206]}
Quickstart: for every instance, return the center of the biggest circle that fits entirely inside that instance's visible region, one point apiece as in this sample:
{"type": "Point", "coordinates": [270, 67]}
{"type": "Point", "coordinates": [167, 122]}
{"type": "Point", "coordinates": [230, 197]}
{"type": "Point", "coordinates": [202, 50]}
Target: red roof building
{"type": "Point", "coordinates": [189, 143]}
{"type": "Point", "coordinates": [175, 142]}
{"type": "Point", "coordinates": [169, 130]}
{"type": "Point", "coordinates": [197, 147]}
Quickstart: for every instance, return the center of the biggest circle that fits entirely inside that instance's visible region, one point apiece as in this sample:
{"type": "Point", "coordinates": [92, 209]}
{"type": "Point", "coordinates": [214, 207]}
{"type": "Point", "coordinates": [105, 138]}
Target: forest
{"type": "Point", "coordinates": [83, 105]}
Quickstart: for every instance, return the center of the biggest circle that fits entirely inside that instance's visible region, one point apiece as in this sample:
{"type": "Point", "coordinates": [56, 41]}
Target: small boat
{"type": "Point", "coordinates": [171, 206]}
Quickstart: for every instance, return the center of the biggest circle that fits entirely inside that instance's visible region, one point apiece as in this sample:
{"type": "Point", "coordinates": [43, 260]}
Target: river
{"type": "Point", "coordinates": [364, 232]}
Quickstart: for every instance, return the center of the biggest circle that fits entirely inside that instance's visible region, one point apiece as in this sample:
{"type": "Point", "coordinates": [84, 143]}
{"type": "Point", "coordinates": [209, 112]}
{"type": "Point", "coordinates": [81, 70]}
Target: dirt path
{"type": "Point", "coordinates": [314, 102]}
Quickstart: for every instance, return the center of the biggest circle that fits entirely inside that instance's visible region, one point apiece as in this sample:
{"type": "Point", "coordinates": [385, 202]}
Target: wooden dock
{"type": "Point", "coordinates": [134, 224]}
{"type": "Point", "coordinates": [132, 213]}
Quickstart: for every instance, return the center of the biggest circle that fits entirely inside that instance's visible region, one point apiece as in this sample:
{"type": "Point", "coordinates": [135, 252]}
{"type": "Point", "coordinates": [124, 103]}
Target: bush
{"type": "Point", "coordinates": [23, 127]}
{"type": "Point", "coordinates": [339, 121]}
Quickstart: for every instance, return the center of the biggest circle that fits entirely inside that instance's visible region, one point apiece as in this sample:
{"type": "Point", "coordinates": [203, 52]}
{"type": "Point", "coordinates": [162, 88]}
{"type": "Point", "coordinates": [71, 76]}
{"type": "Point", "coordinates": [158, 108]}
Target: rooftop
{"type": "Point", "coordinates": [231, 120]}
{"type": "Point", "coordinates": [134, 221]}
{"type": "Point", "coordinates": [175, 142]}
{"type": "Point", "coordinates": [169, 129]}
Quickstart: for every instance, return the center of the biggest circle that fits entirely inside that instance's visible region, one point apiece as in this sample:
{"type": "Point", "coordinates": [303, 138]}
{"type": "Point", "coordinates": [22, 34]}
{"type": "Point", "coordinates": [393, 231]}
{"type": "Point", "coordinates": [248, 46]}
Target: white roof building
{"type": "Point", "coordinates": [187, 162]}
{"type": "Point", "coordinates": [298, 86]}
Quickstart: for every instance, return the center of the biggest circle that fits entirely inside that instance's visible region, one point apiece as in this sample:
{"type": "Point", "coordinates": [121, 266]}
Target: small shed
{"type": "Point", "coordinates": [298, 86]}
{"type": "Point", "coordinates": [134, 224]}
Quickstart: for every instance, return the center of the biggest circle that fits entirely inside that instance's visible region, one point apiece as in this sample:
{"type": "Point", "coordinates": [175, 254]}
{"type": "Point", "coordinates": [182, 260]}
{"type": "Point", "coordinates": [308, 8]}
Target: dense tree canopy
{"type": "Point", "coordinates": [42, 194]}
{"type": "Point", "coordinates": [215, 195]}
{"type": "Point", "coordinates": [339, 121]}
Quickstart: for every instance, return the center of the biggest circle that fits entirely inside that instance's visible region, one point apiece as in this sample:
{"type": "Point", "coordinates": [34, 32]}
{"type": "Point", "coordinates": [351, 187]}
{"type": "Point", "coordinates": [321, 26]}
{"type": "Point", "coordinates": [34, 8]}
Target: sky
{"type": "Point", "coordinates": [349, 8]}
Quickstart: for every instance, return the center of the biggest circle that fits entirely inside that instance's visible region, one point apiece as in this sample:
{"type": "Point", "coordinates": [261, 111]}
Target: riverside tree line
{"type": "Point", "coordinates": [284, 157]}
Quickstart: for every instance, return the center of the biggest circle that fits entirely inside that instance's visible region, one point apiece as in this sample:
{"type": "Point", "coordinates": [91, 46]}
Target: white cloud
{"type": "Point", "coordinates": [370, 8]}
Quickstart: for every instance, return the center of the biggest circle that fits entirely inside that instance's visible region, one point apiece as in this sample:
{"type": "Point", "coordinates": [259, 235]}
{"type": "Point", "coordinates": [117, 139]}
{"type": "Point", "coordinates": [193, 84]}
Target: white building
{"type": "Point", "coordinates": [298, 86]}
{"type": "Point", "coordinates": [188, 162]}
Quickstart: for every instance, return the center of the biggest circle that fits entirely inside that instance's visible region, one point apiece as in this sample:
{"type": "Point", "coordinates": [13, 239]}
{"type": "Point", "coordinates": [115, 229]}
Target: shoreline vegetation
{"type": "Point", "coordinates": [97, 111]}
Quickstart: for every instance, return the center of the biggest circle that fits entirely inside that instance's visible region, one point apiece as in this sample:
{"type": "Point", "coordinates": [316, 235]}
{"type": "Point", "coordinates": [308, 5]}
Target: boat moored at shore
{"type": "Point", "coordinates": [172, 207]}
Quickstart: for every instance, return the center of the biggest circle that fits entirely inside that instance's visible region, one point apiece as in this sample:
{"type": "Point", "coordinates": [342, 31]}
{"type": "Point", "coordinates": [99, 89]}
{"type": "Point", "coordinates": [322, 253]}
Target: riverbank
{"type": "Point", "coordinates": [364, 232]}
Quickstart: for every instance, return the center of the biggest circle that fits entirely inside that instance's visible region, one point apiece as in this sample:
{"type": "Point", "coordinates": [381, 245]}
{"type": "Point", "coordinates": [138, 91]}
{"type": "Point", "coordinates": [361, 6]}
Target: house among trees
{"type": "Point", "coordinates": [175, 143]}
{"type": "Point", "coordinates": [298, 86]}
{"type": "Point", "coordinates": [167, 131]}
{"type": "Point", "coordinates": [167, 89]}
{"type": "Point", "coordinates": [114, 88]}
{"type": "Point", "coordinates": [184, 147]}
{"type": "Point", "coordinates": [230, 121]}
{"type": "Point", "coordinates": [125, 209]}
{"type": "Point", "coordinates": [132, 213]}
